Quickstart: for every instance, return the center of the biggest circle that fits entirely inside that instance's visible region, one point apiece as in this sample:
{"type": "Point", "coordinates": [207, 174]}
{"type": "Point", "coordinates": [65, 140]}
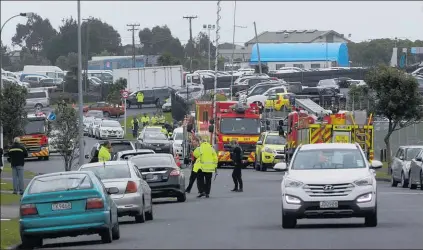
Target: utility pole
{"type": "Point", "coordinates": [258, 49]}
{"type": "Point", "coordinates": [87, 46]}
{"type": "Point", "coordinates": [80, 94]}
{"type": "Point", "coordinates": [190, 40]}
{"type": "Point", "coordinates": [209, 28]}
{"type": "Point", "coordinates": [133, 29]}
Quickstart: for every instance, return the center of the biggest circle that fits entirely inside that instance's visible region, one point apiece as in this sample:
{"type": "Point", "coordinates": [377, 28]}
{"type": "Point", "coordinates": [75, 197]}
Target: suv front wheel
{"type": "Point", "coordinates": [371, 219]}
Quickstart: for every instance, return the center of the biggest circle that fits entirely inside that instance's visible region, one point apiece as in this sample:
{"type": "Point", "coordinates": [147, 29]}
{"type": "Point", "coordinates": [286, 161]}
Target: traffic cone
{"type": "Point", "coordinates": [177, 160]}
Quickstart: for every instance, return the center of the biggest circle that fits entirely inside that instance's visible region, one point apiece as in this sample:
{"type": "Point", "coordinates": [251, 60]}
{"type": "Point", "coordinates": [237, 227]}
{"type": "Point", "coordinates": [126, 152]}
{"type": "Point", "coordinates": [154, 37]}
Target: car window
{"type": "Point", "coordinates": [111, 124]}
{"type": "Point", "coordinates": [161, 92]}
{"type": "Point", "coordinates": [275, 140]}
{"type": "Point", "coordinates": [32, 95]}
{"type": "Point", "coordinates": [58, 183]}
{"type": "Point", "coordinates": [101, 105]}
{"type": "Point", "coordinates": [93, 150]}
{"type": "Point", "coordinates": [147, 93]}
{"type": "Point", "coordinates": [328, 159]}
{"type": "Point", "coordinates": [110, 171]}
{"type": "Point", "coordinates": [280, 90]}
{"type": "Point", "coordinates": [123, 146]}
{"type": "Point", "coordinates": [155, 136]}
{"type": "Point", "coordinates": [411, 153]}
{"type": "Point", "coordinates": [146, 161]}
{"type": "Point", "coordinates": [400, 153]}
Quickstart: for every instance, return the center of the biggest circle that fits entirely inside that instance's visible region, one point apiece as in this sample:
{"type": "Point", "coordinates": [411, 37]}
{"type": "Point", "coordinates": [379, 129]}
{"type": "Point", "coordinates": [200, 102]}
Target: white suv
{"type": "Point", "coordinates": [329, 180]}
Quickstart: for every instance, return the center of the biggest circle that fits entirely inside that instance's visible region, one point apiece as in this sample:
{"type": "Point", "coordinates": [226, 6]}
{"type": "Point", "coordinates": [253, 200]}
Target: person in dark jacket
{"type": "Point", "coordinates": [1, 160]}
{"type": "Point", "coordinates": [17, 154]}
{"type": "Point", "coordinates": [236, 156]}
{"type": "Point", "coordinates": [193, 176]}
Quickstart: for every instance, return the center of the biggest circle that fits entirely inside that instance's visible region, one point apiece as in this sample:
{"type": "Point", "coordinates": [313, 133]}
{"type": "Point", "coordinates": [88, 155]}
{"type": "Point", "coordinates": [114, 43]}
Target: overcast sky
{"type": "Point", "coordinates": [363, 20]}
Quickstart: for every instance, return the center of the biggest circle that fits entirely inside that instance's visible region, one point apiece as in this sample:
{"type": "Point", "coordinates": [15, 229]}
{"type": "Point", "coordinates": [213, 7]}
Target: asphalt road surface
{"type": "Point", "coordinates": [253, 220]}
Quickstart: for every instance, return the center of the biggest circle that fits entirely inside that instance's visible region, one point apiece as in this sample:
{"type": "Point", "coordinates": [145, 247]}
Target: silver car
{"type": "Point", "coordinates": [93, 126]}
{"type": "Point", "coordinates": [134, 196]}
{"type": "Point", "coordinates": [416, 171]}
{"type": "Point", "coordinates": [400, 167]}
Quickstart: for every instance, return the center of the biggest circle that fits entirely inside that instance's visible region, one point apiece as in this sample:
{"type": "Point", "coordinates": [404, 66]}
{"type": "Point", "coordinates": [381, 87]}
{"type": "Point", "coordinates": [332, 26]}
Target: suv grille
{"type": "Point", "coordinates": [322, 190]}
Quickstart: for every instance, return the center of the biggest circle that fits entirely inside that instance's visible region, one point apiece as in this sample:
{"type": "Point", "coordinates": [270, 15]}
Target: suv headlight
{"type": "Point", "coordinates": [293, 183]}
{"type": "Point", "coordinates": [365, 181]}
{"type": "Point", "coordinates": [269, 150]}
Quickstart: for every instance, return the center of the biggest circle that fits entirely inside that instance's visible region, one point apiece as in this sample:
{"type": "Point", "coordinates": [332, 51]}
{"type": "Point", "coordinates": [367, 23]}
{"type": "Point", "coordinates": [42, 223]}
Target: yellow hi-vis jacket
{"type": "Point", "coordinates": [145, 119]}
{"type": "Point", "coordinates": [140, 97]}
{"type": "Point", "coordinates": [208, 157]}
{"type": "Point", "coordinates": [161, 119]}
{"type": "Point", "coordinates": [153, 120]}
{"type": "Point", "coordinates": [197, 165]}
{"type": "Point", "coordinates": [164, 131]}
{"type": "Point", "coordinates": [104, 154]}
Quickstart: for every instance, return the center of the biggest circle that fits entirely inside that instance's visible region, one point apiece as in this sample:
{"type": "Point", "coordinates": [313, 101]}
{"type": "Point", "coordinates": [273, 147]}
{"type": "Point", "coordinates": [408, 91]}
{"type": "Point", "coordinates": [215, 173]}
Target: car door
{"type": "Point", "coordinates": [148, 96]}
{"type": "Point", "coordinates": [415, 168]}
{"type": "Point", "coordinates": [260, 147]}
{"type": "Point", "coordinates": [397, 163]}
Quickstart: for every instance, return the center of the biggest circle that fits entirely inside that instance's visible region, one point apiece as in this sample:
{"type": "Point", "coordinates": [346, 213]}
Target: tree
{"type": "Point", "coordinates": [28, 58]}
{"type": "Point", "coordinates": [361, 98]}
{"type": "Point", "coordinates": [159, 40]}
{"type": "Point", "coordinates": [12, 111]}
{"type": "Point", "coordinates": [34, 35]}
{"type": "Point", "coordinates": [68, 62]}
{"type": "Point", "coordinates": [166, 59]}
{"type": "Point", "coordinates": [396, 98]}
{"type": "Point", "coordinates": [106, 53]}
{"type": "Point", "coordinates": [5, 59]}
{"type": "Point", "coordinates": [66, 139]}
{"type": "Point", "coordinates": [114, 96]}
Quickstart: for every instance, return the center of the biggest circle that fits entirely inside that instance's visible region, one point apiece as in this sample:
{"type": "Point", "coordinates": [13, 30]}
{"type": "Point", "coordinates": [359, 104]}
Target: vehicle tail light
{"type": "Point", "coordinates": [131, 187]}
{"type": "Point", "coordinates": [94, 203]}
{"type": "Point", "coordinates": [175, 172]}
{"type": "Point", "coordinates": [28, 209]}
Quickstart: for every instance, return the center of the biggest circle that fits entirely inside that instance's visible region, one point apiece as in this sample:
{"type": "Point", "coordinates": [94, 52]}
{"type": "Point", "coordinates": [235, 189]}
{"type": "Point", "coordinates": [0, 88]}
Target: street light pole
{"type": "Point", "coordinates": [209, 28]}
{"type": "Point", "coordinates": [80, 96]}
{"type": "Point", "coordinates": [27, 15]}
{"type": "Point", "coordinates": [87, 46]}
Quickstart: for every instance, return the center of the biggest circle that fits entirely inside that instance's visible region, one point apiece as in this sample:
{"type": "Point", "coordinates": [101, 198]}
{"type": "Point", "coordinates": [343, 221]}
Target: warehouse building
{"type": "Point", "coordinates": [301, 55]}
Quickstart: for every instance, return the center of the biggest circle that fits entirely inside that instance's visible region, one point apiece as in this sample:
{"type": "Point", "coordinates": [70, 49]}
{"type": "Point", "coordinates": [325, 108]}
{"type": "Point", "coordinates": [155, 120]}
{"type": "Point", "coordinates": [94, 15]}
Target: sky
{"type": "Point", "coordinates": [363, 20]}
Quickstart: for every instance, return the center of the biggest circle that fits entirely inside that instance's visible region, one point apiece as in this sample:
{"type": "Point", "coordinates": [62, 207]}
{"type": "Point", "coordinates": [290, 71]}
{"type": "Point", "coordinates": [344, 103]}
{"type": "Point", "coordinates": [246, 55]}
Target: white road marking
{"type": "Point", "coordinates": [400, 193]}
{"type": "Point", "coordinates": [4, 219]}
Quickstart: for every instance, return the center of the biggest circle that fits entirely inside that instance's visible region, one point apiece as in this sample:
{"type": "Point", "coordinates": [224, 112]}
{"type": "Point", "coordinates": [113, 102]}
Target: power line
{"type": "Point", "coordinates": [133, 29]}
{"type": "Point", "coordinates": [190, 39]}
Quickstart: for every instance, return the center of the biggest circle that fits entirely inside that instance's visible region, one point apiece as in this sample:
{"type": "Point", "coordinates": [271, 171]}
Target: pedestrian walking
{"type": "Point", "coordinates": [17, 154]}
{"type": "Point", "coordinates": [208, 165]}
{"type": "Point", "coordinates": [236, 156]}
{"type": "Point", "coordinates": [104, 154]}
{"type": "Point", "coordinates": [135, 126]}
{"type": "Point", "coordinates": [196, 166]}
{"type": "Point", "coordinates": [140, 99]}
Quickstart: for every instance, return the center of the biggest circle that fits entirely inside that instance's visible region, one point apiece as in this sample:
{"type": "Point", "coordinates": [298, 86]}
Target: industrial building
{"type": "Point", "coordinates": [120, 62]}
{"type": "Point", "coordinates": [301, 55]}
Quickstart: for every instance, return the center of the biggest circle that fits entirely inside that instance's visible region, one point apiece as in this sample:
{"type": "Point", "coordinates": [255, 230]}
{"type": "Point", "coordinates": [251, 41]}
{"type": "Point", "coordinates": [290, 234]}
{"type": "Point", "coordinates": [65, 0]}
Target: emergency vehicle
{"type": "Point", "coordinates": [343, 127]}
{"type": "Point", "coordinates": [35, 138]}
{"type": "Point", "coordinates": [234, 121]}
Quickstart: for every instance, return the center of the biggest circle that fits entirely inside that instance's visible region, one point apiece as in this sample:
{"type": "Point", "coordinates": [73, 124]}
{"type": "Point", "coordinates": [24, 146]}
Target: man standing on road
{"type": "Point", "coordinates": [208, 161]}
{"type": "Point", "coordinates": [104, 152]}
{"type": "Point", "coordinates": [236, 156]}
{"type": "Point", "coordinates": [17, 154]}
{"type": "Point", "coordinates": [135, 126]}
{"type": "Point", "coordinates": [140, 99]}
{"type": "Point", "coordinates": [195, 167]}
{"type": "Point", "coordinates": [145, 120]}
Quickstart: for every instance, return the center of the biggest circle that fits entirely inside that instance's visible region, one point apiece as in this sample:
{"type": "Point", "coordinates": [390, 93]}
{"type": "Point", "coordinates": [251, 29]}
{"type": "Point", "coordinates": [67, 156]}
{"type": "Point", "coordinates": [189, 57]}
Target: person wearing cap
{"type": "Point", "coordinates": [17, 154]}
{"type": "Point", "coordinates": [208, 165]}
{"type": "Point", "coordinates": [104, 154]}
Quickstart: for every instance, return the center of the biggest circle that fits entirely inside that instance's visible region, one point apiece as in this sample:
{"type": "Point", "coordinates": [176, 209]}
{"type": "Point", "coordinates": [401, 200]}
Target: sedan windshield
{"type": "Point", "coordinates": [110, 171]}
{"type": "Point", "coordinates": [111, 124]}
{"type": "Point", "coordinates": [35, 127]}
{"type": "Point", "coordinates": [275, 140]}
{"type": "Point", "coordinates": [146, 161]}
{"type": "Point", "coordinates": [245, 126]}
{"type": "Point", "coordinates": [155, 136]}
{"type": "Point", "coordinates": [179, 136]}
{"type": "Point", "coordinates": [328, 159]}
{"type": "Point", "coordinates": [58, 183]}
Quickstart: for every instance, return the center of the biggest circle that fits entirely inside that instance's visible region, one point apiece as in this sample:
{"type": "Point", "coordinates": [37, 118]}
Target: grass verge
{"type": "Point", "coordinates": [8, 199]}
{"type": "Point", "coordinates": [9, 233]}
{"type": "Point", "coordinates": [6, 185]}
{"type": "Point", "coordinates": [383, 172]}
{"type": "Point", "coordinates": [27, 174]}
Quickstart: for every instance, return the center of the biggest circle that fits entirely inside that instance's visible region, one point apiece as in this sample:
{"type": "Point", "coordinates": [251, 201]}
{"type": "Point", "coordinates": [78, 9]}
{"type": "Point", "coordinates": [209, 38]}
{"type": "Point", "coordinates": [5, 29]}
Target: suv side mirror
{"type": "Point", "coordinates": [419, 159]}
{"type": "Point", "coordinates": [259, 143]}
{"type": "Point", "coordinates": [87, 157]}
{"type": "Point", "coordinates": [376, 164]}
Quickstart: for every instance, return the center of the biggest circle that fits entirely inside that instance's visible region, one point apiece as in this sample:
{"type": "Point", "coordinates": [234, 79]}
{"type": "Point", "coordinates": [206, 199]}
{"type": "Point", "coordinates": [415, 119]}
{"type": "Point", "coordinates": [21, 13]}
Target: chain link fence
{"type": "Point", "coordinates": [411, 135]}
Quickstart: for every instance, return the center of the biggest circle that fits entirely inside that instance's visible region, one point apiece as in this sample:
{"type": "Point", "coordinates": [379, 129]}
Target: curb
{"type": "Point", "coordinates": [18, 246]}
{"type": "Point", "coordinates": [383, 179]}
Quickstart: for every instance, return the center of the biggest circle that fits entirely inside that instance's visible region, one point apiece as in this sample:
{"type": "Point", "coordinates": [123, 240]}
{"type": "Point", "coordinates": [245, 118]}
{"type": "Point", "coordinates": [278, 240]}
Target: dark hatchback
{"type": "Point", "coordinates": [158, 142]}
{"type": "Point", "coordinates": [162, 174]}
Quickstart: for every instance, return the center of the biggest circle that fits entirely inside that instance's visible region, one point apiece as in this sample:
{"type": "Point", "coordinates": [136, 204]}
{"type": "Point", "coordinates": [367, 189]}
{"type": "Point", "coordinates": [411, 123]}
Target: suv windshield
{"type": "Point", "coordinates": [179, 136]}
{"type": "Point", "coordinates": [244, 126]}
{"type": "Point", "coordinates": [411, 153]}
{"type": "Point", "coordinates": [328, 159]}
{"type": "Point", "coordinates": [275, 140]}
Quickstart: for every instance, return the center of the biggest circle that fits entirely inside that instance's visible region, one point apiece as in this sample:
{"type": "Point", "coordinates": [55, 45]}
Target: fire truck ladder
{"type": "Point", "coordinates": [310, 106]}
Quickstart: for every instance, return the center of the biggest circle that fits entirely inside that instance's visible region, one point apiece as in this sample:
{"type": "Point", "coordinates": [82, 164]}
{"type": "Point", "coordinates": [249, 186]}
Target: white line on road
{"type": "Point", "coordinates": [401, 193]}
{"type": "Point", "coordinates": [4, 219]}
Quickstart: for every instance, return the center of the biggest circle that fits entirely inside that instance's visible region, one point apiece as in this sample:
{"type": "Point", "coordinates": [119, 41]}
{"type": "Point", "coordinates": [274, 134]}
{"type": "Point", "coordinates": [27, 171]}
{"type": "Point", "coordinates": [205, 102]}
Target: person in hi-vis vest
{"type": "Point", "coordinates": [208, 161]}
{"type": "Point", "coordinates": [140, 99]}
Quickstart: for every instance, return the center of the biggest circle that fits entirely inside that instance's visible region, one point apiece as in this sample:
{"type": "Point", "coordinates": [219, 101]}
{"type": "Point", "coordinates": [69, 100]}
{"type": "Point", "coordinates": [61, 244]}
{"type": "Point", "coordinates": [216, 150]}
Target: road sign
{"type": "Point", "coordinates": [52, 116]}
{"type": "Point", "coordinates": [124, 94]}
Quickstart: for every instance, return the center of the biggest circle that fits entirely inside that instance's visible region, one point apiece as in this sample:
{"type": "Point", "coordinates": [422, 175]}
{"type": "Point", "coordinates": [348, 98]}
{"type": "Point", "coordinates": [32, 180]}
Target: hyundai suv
{"type": "Point", "coordinates": [329, 180]}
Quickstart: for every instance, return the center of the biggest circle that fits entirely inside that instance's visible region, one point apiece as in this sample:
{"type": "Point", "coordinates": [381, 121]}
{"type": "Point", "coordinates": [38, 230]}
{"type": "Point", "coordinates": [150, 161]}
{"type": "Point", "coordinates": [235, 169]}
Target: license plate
{"type": "Point", "coordinates": [341, 139]}
{"type": "Point", "coordinates": [61, 206]}
{"type": "Point", "coordinates": [329, 204]}
{"type": "Point", "coordinates": [152, 178]}
{"type": "Point", "coordinates": [158, 149]}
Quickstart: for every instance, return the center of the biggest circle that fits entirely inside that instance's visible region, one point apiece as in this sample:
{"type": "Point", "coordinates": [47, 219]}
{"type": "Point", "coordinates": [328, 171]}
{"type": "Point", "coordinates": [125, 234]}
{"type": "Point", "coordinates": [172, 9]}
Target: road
{"type": "Point", "coordinates": [253, 220]}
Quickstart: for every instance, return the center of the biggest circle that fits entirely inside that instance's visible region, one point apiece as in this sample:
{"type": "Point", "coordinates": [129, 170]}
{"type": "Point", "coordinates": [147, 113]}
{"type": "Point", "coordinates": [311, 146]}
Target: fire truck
{"type": "Point", "coordinates": [234, 121]}
{"type": "Point", "coordinates": [35, 137]}
{"type": "Point", "coordinates": [343, 127]}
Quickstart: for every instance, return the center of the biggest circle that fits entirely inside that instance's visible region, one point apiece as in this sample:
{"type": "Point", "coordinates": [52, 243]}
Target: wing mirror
{"type": "Point", "coordinates": [259, 143]}
{"type": "Point", "coordinates": [375, 164]}
{"type": "Point", "coordinates": [113, 190]}
{"type": "Point", "coordinates": [281, 166]}
{"type": "Point", "coordinates": [87, 157]}
{"type": "Point", "coordinates": [401, 158]}
{"type": "Point", "coordinates": [419, 159]}
{"type": "Point", "coordinates": [171, 138]}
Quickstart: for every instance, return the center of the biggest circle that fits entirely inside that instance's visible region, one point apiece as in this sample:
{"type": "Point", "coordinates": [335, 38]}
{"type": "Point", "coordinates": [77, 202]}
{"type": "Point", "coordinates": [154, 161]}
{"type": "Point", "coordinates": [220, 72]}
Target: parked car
{"type": "Point", "coordinates": [328, 84]}
{"type": "Point", "coordinates": [108, 109]}
{"type": "Point", "coordinates": [149, 129]}
{"type": "Point", "coordinates": [167, 106]}
{"type": "Point", "coordinates": [162, 174]}
{"type": "Point", "coordinates": [117, 146]}
{"type": "Point", "coordinates": [400, 167]}
{"type": "Point", "coordinates": [93, 126]}
{"type": "Point", "coordinates": [62, 204]}
{"type": "Point", "coordinates": [95, 113]}
{"type": "Point", "coordinates": [329, 180]}
{"type": "Point", "coordinates": [134, 196]}
{"type": "Point", "coordinates": [37, 99]}
{"type": "Point", "coordinates": [158, 142]}
{"type": "Point", "coordinates": [268, 93]}
{"type": "Point", "coordinates": [156, 96]}
{"type": "Point", "coordinates": [109, 129]}
{"type": "Point", "coordinates": [127, 154]}
{"type": "Point", "coordinates": [178, 139]}
{"type": "Point", "coordinates": [416, 171]}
